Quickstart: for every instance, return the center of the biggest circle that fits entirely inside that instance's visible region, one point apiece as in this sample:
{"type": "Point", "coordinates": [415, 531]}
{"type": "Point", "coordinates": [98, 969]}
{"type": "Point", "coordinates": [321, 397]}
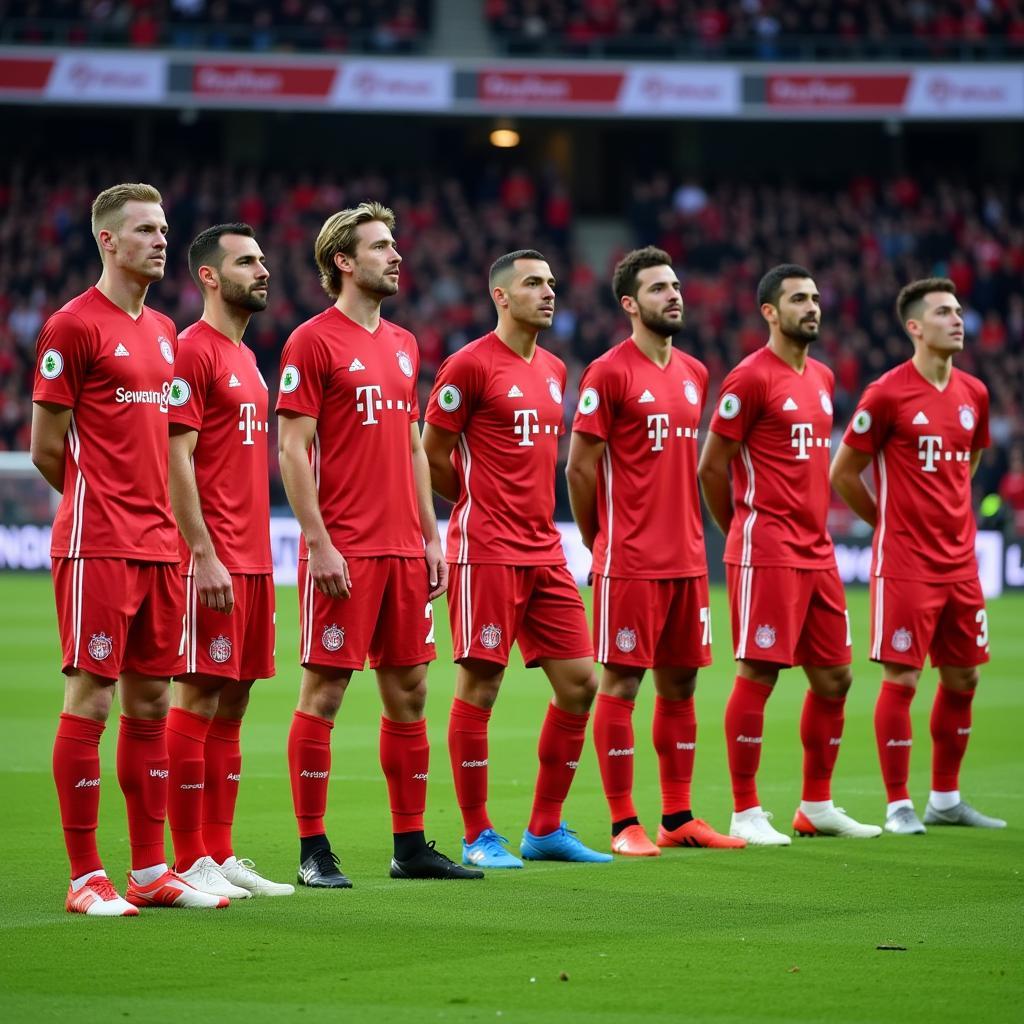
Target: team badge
{"type": "Point", "coordinates": [333, 638]}
{"type": "Point", "coordinates": [165, 349]}
{"type": "Point", "coordinates": [450, 398]}
{"type": "Point", "coordinates": [490, 636]}
{"type": "Point", "coordinates": [290, 378]}
{"type": "Point", "coordinates": [862, 422]}
{"type": "Point", "coordinates": [52, 364]}
{"type": "Point", "coordinates": [220, 649]}
{"type": "Point", "coordinates": [765, 637]}
{"type": "Point", "coordinates": [691, 392]}
{"type": "Point", "coordinates": [404, 363]}
{"type": "Point", "coordinates": [589, 401]}
{"type": "Point", "coordinates": [826, 402]}
{"type": "Point", "coordinates": [554, 391]}
{"type": "Point", "coordinates": [180, 392]}
{"type": "Point", "coordinates": [729, 406]}
{"type": "Point", "coordinates": [966, 417]}
{"type": "Point", "coordinates": [625, 640]}
{"type": "Point", "coordinates": [901, 640]}
{"type": "Point", "coordinates": [100, 646]}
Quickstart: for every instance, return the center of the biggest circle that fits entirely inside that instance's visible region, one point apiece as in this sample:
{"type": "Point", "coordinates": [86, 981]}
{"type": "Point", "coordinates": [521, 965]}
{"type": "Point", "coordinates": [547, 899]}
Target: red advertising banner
{"type": "Point", "coordinates": [836, 91]}
{"type": "Point", "coordinates": [547, 88]}
{"type": "Point", "coordinates": [252, 79]}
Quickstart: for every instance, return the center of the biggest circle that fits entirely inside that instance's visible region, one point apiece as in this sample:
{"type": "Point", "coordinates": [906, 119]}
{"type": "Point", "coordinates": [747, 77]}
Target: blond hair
{"type": "Point", "coordinates": [339, 235]}
{"type": "Point", "coordinates": [108, 206]}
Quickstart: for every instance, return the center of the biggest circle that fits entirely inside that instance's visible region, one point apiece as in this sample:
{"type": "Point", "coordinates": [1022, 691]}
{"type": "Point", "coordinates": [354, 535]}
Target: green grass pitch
{"type": "Point", "coordinates": [777, 934]}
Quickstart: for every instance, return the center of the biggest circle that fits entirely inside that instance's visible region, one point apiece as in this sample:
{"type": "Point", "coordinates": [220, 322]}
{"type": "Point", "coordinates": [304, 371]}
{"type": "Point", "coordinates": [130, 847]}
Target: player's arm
{"type": "Point", "coordinates": [713, 472]}
{"type": "Point", "coordinates": [327, 565]}
{"type": "Point", "coordinates": [438, 445]}
{"type": "Point", "coordinates": [437, 567]}
{"type": "Point", "coordinates": [50, 424]}
{"type": "Point", "coordinates": [212, 579]}
{"type": "Point", "coordinates": [846, 478]}
{"type": "Point", "coordinates": [585, 451]}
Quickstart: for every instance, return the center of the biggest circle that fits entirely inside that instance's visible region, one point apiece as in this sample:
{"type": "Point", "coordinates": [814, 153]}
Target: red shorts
{"type": "Point", "coordinates": [388, 617]}
{"type": "Point", "coordinates": [537, 606]}
{"type": "Point", "coordinates": [652, 623]}
{"type": "Point", "coordinates": [910, 618]}
{"type": "Point", "coordinates": [236, 646]}
{"type": "Point", "coordinates": [789, 616]}
{"type": "Point", "coordinates": [116, 616]}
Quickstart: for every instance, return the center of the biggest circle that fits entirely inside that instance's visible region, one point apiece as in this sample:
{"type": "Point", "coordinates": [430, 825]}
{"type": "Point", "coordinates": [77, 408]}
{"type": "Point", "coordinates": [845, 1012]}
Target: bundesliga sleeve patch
{"type": "Point", "coordinates": [290, 378]}
{"type": "Point", "coordinates": [52, 364]}
{"type": "Point", "coordinates": [862, 422]}
{"type": "Point", "coordinates": [589, 401]}
{"type": "Point", "coordinates": [449, 398]}
{"type": "Point", "coordinates": [729, 406]}
{"type": "Point", "coordinates": [180, 392]}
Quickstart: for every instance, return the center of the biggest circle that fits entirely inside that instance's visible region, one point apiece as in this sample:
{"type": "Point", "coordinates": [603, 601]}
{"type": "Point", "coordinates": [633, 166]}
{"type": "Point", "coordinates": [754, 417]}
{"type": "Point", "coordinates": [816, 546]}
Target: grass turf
{"type": "Point", "coordinates": [772, 934]}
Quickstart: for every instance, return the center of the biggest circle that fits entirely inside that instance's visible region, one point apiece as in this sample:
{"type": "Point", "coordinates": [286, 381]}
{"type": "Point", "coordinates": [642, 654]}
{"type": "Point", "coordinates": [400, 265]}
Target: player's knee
{"type": "Point", "coordinates": [623, 684]}
{"type": "Point", "coordinates": [839, 681]}
{"type": "Point", "coordinates": [962, 679]}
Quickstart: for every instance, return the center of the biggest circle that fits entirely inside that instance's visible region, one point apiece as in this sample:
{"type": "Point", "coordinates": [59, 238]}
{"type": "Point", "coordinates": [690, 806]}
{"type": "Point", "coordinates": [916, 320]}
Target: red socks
{"type": "Point", "coordinates": [559, 749]}
{"type": "Point", "coordinates": [142, 771]}
{"type": "Point", "coordinates": [821, 731]}
{"type": "Point", "coordinates": [613, 739]}
{"type": "Point", "coordinates": [309, 766]}
{"type": "Point", "coordinates": [744, 726]}
{"type": "Point", "coordinates": [951, 729]}
{"type": "Point", "coordinates": [405, 758]}
{"type": "Point", "coordinates": [894, 738]}
{"type": "Point", "coordinates": [467, 748]}
{"type": "Point", "coordinates": [186, 740]}
{"type": "Point", "coordinates": [223, 772]}
{"type": "Point", "coordinates": [76, 772]}
{"type": "Point", "coordinates": [675, 740]}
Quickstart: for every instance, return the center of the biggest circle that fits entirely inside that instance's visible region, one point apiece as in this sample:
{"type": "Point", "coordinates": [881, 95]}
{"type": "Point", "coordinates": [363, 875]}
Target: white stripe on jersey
{"type": "Point", "coordinates": [78, 498]}
{"type": "Point", "coordinates": [467, 465]}
{"type": "Point", "coordinates": [746, 587]}
{"type": "Point", "coordinates": [876, 633]}
{"type": "Point", "coordinates": [77, 572]}
{"type": "Point", "coordinates": [307, 617]}
{"type": "Point", "coordinates": [748, 498]}
{"type": "Point", "coordinates": [883, 501]}
{"type": "Point", "coordinates": [604, 604]}
{"type": "Point", "coordinates": [606, 460]}
{"type": "Point", "coordinates": [466, 609]}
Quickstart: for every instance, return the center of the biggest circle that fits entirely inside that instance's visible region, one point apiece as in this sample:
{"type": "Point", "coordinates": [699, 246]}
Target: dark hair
{"type": "Point", "coordinates": [910, 301]}
{"type": "Point", "coordinates": [503, 263]}
{"type": "Point", "coordinates": [627, 270]}
{"type": "Point", "coordinates": [205, 250]}
{"type": "Point", "coordinates": [769, 288]}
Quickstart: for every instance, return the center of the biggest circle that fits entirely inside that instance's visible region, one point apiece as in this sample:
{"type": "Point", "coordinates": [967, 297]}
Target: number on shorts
{"type": "Point", "coordinates": [428, 614]}
{"type": "Point", "coordinates": [982, 619]}
{"type": "Point", "coordinates": [705, 621]}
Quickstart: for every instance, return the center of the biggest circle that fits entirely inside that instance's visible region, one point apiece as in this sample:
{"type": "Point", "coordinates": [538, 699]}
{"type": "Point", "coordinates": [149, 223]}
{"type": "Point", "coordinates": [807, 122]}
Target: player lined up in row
{"type": "Point", "coordinates": [162, 567]}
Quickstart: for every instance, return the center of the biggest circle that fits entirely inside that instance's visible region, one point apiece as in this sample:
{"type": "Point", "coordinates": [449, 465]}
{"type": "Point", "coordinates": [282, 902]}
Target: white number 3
{"type": "Point", "coordinates": [982, 619]}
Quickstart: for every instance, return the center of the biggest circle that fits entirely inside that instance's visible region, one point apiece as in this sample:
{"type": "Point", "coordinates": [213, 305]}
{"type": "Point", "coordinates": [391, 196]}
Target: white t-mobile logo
{"type": "Point", "coordinates": [929, 449]}
{"type": "Point", "coordinates": [657, 430]}
{"type": "Point", "coordinates": [801, 437]}
{"type": "Point", "coordinates": [368, 402]}
{"type": "Point", "coordinates": [247, 421]}
{"type": "Point", "coordinates": [526, 426]}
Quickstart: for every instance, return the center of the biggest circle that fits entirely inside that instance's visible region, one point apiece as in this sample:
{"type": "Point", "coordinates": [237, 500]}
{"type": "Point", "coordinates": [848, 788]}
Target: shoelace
{"type": "Point", "coordinates": [327, 861]}
{"type": "Point", "coordinates": [247, 866]}
{"type": "Point", "coordinates": [103, 887]}
{"type": "Point", "coordinates": [494, 840]}
{"type": "Point", "coordinates": [437, 853]}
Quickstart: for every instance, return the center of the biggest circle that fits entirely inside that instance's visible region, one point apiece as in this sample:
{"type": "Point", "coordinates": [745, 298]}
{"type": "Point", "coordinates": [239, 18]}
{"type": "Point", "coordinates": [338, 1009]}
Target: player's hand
{"type": "Point", "coordinates": [213, 582]}
{"type": "Point", "coordinates": [329, 570]}
{"type": "Point", "coordinates": [437, 570]}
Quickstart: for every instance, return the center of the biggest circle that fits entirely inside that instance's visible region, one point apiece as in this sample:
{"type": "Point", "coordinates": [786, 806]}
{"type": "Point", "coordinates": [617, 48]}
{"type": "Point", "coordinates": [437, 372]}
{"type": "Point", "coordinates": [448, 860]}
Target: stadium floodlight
{"type": "Point", "coordinates": [504, 138]}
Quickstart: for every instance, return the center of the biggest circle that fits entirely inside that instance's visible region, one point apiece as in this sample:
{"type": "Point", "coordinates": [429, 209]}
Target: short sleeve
{"type": "Point", "coordinates": [304, 372]}
{"type": "Point", "coordinates": [457, 389]}
{"type": "Point", "coordinates": [595, 410]}
{"type": "Point", "coordinates": [63, 356]}
{"type": "Point", "coordinates": [740, 403]}
{"type": "Point", "coordinates": [190, 387]}
{"type": "Point", "coordinates": [981, 436]}
{"type": "Point", "coordinates": [871, 423]}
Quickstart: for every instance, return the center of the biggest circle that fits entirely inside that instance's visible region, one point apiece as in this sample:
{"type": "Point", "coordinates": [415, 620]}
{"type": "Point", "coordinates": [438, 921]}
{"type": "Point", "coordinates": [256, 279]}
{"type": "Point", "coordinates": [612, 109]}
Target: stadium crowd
{"type": "Point", "coordinates": [862, 242]}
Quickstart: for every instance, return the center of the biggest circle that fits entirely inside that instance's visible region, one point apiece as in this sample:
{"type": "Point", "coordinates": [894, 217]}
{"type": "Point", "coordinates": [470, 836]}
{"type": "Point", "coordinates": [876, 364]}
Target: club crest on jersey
{"type": "Point", "coordinates": [404, 363]}
{"type": "Point", "coordinates": [333, 637]}
{"type": "Point", "coordinates": [490, 636]}
{"type": "Point", "coordinates": [966, 417]}
{"type": "Point", "coordinates": [100, 646]}
{"type": "Point", "coordinates": [52, 364]}
{"type": "Point", "coordinates": [589, 401]}
{"type": "Point", "coordinates": [691, 392]}
{"type": "Point", "coordinates": [901, 640]}
{"type": "Point", "coordinates": [450, 398]}
{"type": "Point", "coordinates": [220, 649]}
{"type": "Point", "coordinates": [826, 402]}
{"type": "Point", "coordinates": [625, 639]}
{"type": "Point", "coordinates": [180, 392]}
{"type": "Point", "coordinates": [290, 378]}
{"type": "Point", "coordinates": [862, 422]}
{"type": "Point", "coordinates": [729, 407]}
{"type": "Point", "coordinates": [765, 637]}
{"type": "Point", "coordinates": [554, 391]}
{"type": "Point", "coordinates": [165, 349]}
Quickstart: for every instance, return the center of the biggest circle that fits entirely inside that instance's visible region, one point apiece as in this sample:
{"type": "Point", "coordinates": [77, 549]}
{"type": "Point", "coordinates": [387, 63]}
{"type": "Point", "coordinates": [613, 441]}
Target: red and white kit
{"type": "Point", "coordinates": [361, 389]}
{"type": "Point", "coordinates": [219, 391]}
{"type": "Point", "coordinates": [786, 599]}
{"type": "Point", "coordinates": [925, 592]}
{"type": "Point", "coordinates": [508, 415]}
{"type": "Point", "coordinates": [650, 569]}
{"type": "Point", "coordinates": [114, 544]}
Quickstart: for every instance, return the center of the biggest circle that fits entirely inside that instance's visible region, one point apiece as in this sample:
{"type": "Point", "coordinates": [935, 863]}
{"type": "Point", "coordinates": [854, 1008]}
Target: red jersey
{"type": "Point", "coordinates": [360, 387]}
{"type": "Point", "coordinates": [114, 373]}
{"type": "Point", "coordinates": [648, 504]}
{"type": "Point", "coordinates": [219, 391]}
{"type": "Point", "coordinates": [780, 486]}
{"type": "Point", "coordinates": [921, 441]}
{"type": "Point", "coordinates": [508, 413]}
